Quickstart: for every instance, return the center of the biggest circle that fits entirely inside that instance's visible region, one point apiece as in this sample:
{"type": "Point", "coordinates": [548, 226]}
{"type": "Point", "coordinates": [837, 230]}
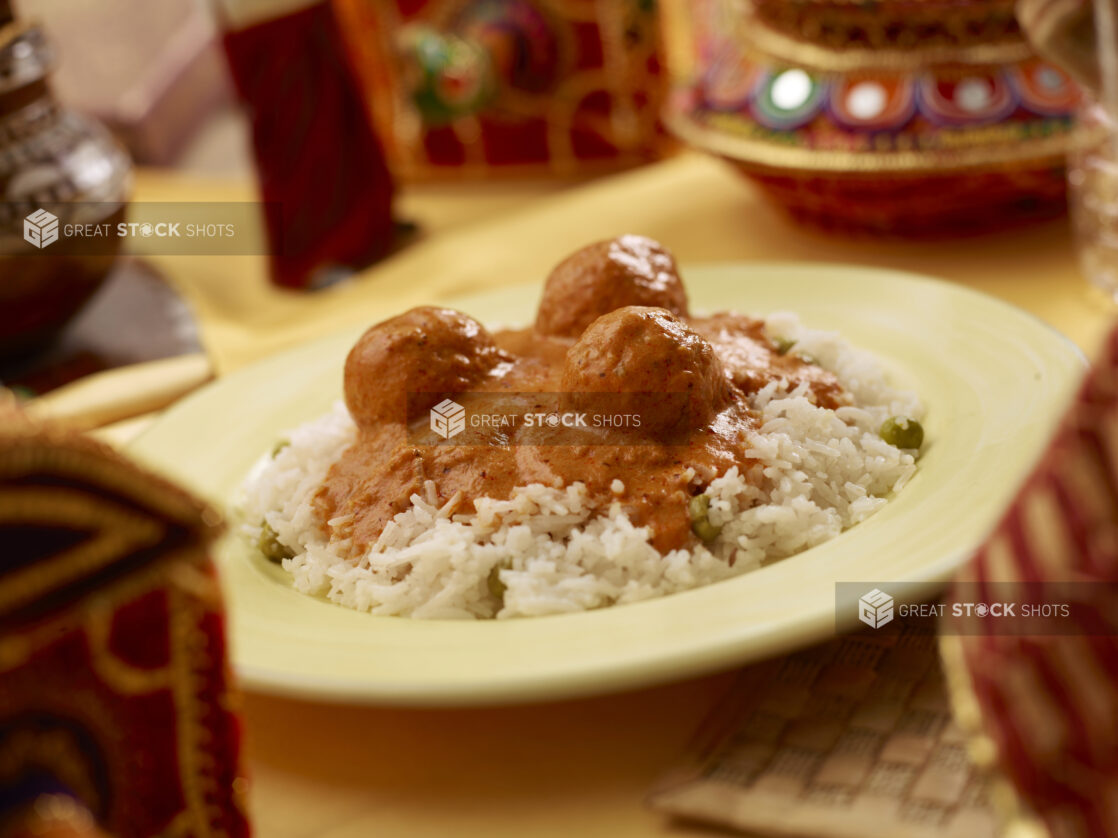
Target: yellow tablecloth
{"type": "Point", "coordinates": [695, 205]}
{"type": "Point", "coordinates": [576, 768]}
{"type": "Point", "coordinates": [481, 236]}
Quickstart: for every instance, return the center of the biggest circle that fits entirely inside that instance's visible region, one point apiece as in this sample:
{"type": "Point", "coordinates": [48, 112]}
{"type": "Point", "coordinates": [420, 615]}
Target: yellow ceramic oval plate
{"type": "Point", "coordinates": [995, 381]}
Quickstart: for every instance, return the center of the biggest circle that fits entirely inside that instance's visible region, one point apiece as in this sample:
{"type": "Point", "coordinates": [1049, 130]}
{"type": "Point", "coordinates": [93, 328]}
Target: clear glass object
{"type": "Point", "coordinates": [1093, 198]}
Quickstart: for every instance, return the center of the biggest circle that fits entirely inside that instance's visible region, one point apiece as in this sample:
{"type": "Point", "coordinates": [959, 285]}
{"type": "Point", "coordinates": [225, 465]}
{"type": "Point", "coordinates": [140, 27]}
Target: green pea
{"type": "Point", "coordinates": [902, 432]}
{"type": "Point", "coordinates": [783, 345]}
{"type": "Point", "coordinates": [699, 509]}
{"type": "Point", "coordinates": [270, 545]}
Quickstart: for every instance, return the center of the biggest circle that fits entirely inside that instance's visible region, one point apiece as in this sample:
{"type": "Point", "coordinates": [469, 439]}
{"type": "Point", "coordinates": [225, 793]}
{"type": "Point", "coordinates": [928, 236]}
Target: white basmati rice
{"type": "Point", "coordinates": [823, 471]}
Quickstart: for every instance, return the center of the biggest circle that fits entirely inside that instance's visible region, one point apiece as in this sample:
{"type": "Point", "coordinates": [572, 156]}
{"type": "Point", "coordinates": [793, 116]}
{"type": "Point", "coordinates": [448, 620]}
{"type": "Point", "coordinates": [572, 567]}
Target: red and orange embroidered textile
{"type": "Point", "coordinates": [1050, 703]}
{"type": "Point", "coordinates": [115, 689]}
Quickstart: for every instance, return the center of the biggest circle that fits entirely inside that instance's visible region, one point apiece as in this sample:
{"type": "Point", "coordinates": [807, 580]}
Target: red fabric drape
{"type": "Point", "coordinates": [322, 173]}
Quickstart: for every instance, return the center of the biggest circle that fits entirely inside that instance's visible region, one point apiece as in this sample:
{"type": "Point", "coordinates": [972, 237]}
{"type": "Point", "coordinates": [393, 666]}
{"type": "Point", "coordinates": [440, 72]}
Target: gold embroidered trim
{"type": "Point", "coordinates": [191, 663]}
{"type": "Point", "coordinates": [113, 532]}
{"type": "Point", "coordinates": [759, 153]}
{"type": "Point", "coordinates": [123, 677]}
{"type": "Point", "coordinates": [189, 595]}
{"type": "Point", "coordinates": [958, 28]}
{"type": "Point", "coordinates": [49, 450]}
{"type": "Point", "coordinates": [760, 39]}
{"type": "Point", "coordinates": [15, 649]}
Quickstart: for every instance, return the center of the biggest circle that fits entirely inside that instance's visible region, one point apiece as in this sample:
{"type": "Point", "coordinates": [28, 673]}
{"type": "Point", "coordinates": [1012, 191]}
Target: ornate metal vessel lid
{"type": "Point", "coordinates": [844, 35]}
{"type": "Point", "coordinates": [49, 155]}
{"type": "Point", "coordinates": [871, 88]}
{"type": "Point", "coordinates": [888, 24]}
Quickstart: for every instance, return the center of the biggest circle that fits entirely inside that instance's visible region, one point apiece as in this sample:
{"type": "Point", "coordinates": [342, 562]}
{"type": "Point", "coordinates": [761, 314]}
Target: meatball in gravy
{"type": "Point", "coordinates": [613, 334]}
{"type": "Point", "coordinates": [427, 352]}
{"type": "Point", "coordinates": [650, 364]}
{"type": "Point", "coordinates": [626, 271]}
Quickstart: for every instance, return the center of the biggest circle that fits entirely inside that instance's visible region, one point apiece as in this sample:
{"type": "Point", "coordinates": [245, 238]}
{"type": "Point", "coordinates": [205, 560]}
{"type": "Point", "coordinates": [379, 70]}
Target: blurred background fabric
{"type": "Point", "coordinates": [162, 85]}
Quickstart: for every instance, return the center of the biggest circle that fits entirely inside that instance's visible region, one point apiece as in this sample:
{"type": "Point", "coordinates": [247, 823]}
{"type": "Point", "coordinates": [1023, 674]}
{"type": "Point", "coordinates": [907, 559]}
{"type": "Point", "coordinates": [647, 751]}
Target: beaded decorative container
{"type": "Point", "coordinates": [914, 117]}
{"type": "Point", "coordinates": [476, 88]}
